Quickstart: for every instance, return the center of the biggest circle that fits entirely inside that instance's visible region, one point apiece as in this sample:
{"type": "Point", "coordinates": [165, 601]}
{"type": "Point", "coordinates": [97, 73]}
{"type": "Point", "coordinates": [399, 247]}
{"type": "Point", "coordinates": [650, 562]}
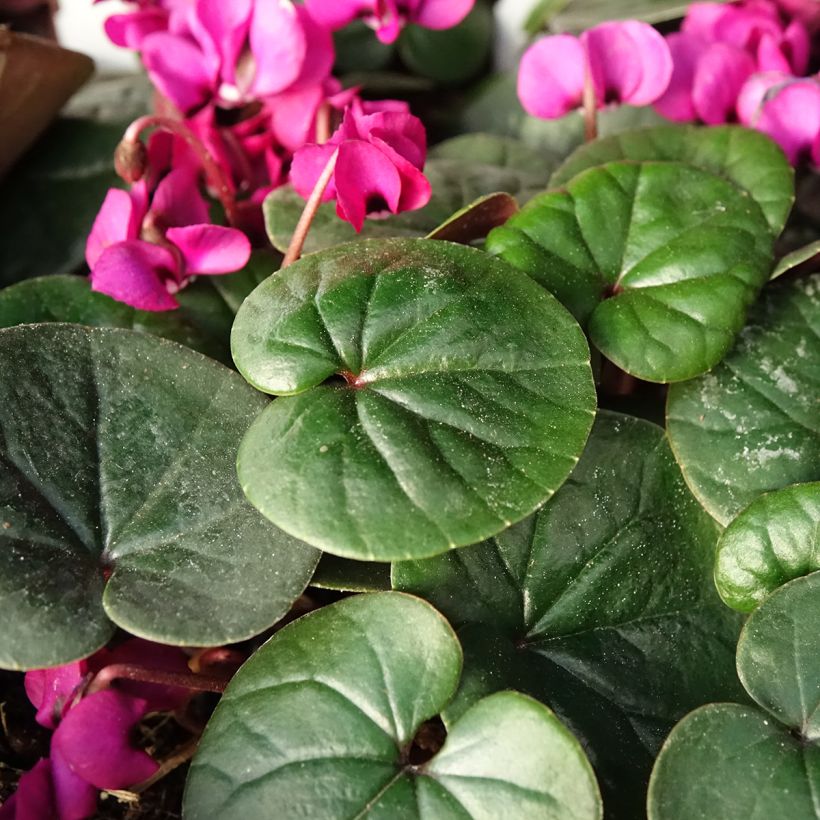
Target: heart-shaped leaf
{"type": "Point", "coordinates": [49, 201]}
{"type": "Point", "coordinates": [577, 15]}
{"type": "Point", "coordinates": [660, 260]}
{"type": "Point", "coordinates": [476, 220]}
{"type": "Point", "coordinates": [460, 397]}
{"type": "Point", "coordinates": [344, 575]}
{"type": "Point", "coordinates": [796, 258]}
{"type": "Point", "coordinates": [748, 158]}
{"type": "Point", "coordinates": [487, 164]}
{"type": "Point", "coordinates": [117, 457]}
{"type": "Point", "coordinates": [321, 723]}
{"type": "Point", "coordinates": [752, 424]}
{"type": "Point", "coordinates": [774, 540]}
{"type": "Point", "coordinates": [601, 605]}
{"type": "Point", "coordinates": [731, 761]}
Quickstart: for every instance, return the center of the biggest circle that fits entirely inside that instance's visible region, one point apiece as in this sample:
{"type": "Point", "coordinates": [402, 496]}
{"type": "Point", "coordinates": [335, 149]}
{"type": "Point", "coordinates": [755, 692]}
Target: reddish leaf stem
{"type": "Point", "coordinates": [216, 176]}
{"type": "Point", "coordinates": [130, 671]}
{"type": "Point", "coordinates": [297, 242]}
{"type": "Point", "coordinates": [590, 107]}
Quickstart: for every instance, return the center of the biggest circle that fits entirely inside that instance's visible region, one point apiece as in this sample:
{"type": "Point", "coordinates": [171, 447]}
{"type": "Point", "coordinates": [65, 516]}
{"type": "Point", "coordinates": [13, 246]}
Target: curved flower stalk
{"type": "Point", "coordinates": [388, 17]}
{"type": "Point", "coordinates": [91, 747]}
{"type": "Point", "coordinates": [617, 62]}
{"type": "Point", "coordinates": [378, 153]}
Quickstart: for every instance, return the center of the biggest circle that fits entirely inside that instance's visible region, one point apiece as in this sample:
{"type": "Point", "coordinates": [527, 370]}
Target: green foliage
{"type": "Point", "coordinates": [468, 398]}
{"type": "Point", "coordinates": [735, 762]}
{"type": "Point", "coordinates": [117, 457]}
{"type": "Point", "coordinates": [321, 723]}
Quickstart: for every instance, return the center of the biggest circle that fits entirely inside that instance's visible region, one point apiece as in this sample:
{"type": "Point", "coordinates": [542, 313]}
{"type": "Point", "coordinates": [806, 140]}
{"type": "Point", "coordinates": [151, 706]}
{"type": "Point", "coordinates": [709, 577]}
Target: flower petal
{"type": "Point", "coordinates": [630, 62]}
{"type": "Point", "coordinates": [367, 181]}
{"type": "Point", "coordinates": [336, 14]}
{"type": "Point", "coordinates": [34, 798]}
{"type": "Point", "coordinates": [52, 690]}
{"type": "Point", "coordinates": [441, 14]}
{"type": "Point", "coordinates": [75, 798]}
{"type": "Point", "coordinates": [180, 70]}
{"type": "Point", "coordinates": [719, 77]}
{"type": "Point", "coordinates": [791, 117]}
{"type": "Point", "coordinates": [404, 132]}
{"type": "Point", "coordinates": [415, 187]}
{"type": "Point", "coordinates": [278, 44]}
{"type": "Point", "coordinates": [320, 54]}
{"type": "Point", "coordinates": [676, 103]}
{"type": "Point", "coordinates": [130, 30]}
{"type": "Point", "coordinates": [754, 91]}
{"type": "Point", "coordinates": [702, 19]}
{"type": "Point", "coordinates": [134, 272]}
{"type": "Point", "coordinates": [114, 223]}
{"type": "Point", "coordinates": [293, 116]}
{"type": "Point", "coordinates": [307, 167]}
{"type": "Point", "coordinates": [177, 200]}
{"type": "Point", "coordinates": [211, 249]}
{"type": "Point", "coordinates": [222, 28]}
{"type": "Point", "coordinates": [551, 76]}
{"type": "Point", "coordinates": [93, 741]}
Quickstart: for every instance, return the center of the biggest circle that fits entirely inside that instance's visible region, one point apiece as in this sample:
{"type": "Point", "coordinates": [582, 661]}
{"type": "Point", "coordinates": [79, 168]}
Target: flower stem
{"type": "Point", "coordinates": [297, 242]}
{"type": "Point", "coordinates": [217, 178]}
{"type": "Point", "coordinates": [590, 108]}
{"type": "Point", "coordinates": [130, 671]}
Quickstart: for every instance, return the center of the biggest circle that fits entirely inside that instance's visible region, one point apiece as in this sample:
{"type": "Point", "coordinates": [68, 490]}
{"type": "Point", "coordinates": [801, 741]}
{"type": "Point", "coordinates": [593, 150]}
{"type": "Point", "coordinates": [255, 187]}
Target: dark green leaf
{"type": "Point", "coordinates": [117, 455]}
{"type": "Point", "coordinates": [49, 202]}
{"type": "Point", "coordinates": [469, 397]}
{"type": "Point", "coordinates": [778, 656]}
{"type": "Point", "coordinates": [358, 49]}
{"type": "Point", "coordinates": [582, 14]}
{"type": "Point", "coordinates": [752, 424]}
{"type": "Point", "coordinates": [748, 158]}
{"type": "Point", "coordinates": [660, 260]}
{"type": "Point", "coordinates": [774, 540]}
{"type": "Point", "coordinates": [796, 258]}
{"type": "Point", "coordinates": [319, 723]}
{"type": "Point", "coordinates": [344, 575]}
{"type": "Point", "coordinates": [450, 56]}
{"type": "Point", "coordinates": [734, 762]}
{"type": "Point", "coordinates": [476, 220]}
{"type": "Point", "coordinates": [601, 605]}
{"type": "Point", "coordinates": [489, 165]}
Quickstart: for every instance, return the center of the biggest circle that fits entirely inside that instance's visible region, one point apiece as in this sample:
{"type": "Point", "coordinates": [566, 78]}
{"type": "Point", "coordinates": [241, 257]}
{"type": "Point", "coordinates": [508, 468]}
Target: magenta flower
{"type": "Point", "coordinates": [388, 17]}
{"type": "Point", "coordinates": [787, 109]}
{"type": "Point", "coordinates": [142, 252]}
{"type": "Point", "coordinates": [627, 62]}
{"type": "Point", "coordinates": [380, 157]}
{"type": "Point", "coordinates": [91, 746]}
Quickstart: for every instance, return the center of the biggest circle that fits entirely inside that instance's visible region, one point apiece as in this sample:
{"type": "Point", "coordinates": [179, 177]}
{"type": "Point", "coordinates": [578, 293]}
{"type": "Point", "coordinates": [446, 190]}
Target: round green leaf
{"type": "Point", "coordinates": [774, 540]}
{"type": "Point", "coordinates": [449, 56]}
{"type": "Point", "coordinates": [117, 456]}
{"type": "Point", "coordinates": [778, 656]}
{"type": "Point", "coordinates": [460, 171]}
{"type": "Point", "coordinates": [748, 158]}
{"type": "Point", "coordinates": [468, 398]}
{"type": "Point", "coordinates": [660, 260]}
{"type": "Point", "coordinates": [752, 424]}
{"type": "Point", "coordinates": [320, 721]}
{"type": "Point", "coordinates": [734, 763]}
{"type": "Point", "coordinates": [601, 605]}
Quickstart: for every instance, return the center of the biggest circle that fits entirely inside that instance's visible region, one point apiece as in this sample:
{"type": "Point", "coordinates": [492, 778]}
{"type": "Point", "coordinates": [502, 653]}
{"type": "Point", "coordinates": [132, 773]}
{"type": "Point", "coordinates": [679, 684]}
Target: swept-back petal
{"type": "Point", "coordinates": [719, 77]}
{"type": "Point", "coordinates": [551, 76]}
{"type": "Point", "coordinates": [74, 797]}
{"type": "Point", "coordinates": [441, 14]}
{"type": "Point", "coordinates": [130, 30]}
{"type": "Point", "coordinates": [336, 14]}
{"type": "Point", "coordinates": [791, 117]}
{"type": "Point", "coordinates": [34, 798]}
{"type": "Point", "coordinates": [177, 200]}
{"type": "Point", "coordinates": [278, 44]}
{"type": "Point", "coordinates": [367, 181]}
{"type": "Point", "coordinates": [676, 102]}
{"type": "Point", "coordinates": [114, 223]}
{"type": "Point", "coordinates": [210, 249]}
{"type": "Point", "coordinates": [51, 690]}
{"type": "Point", "coordinates": [307, 167]}
{"type": "Point", "coordinates": [180, 70]}
{"type": "Point", "coordinates": [135, 272]}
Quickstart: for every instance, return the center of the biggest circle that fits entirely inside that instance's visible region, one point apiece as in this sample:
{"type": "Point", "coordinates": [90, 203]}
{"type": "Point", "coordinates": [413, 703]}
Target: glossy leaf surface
{"type": "Point", "coordinates": [747, 158]}
{"type": "Point", "coordinates": [774, 540]}
{"type": "Point", "coordinates": [659, 260]}
{"type": "Point", "coordinates": [431, 396]}
{"type": "Point", "coordinates": [601, 605]}
{"type": "Point", "coordinates": [752, 424]}
{"type": "Point", "coordinates": [320, 721]}
{"type": "Point", "coordinates": [117, 458]}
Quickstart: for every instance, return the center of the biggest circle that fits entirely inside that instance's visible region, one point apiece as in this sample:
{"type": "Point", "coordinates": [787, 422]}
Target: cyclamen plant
{"type": "Point", "coordinates": [502, 498]}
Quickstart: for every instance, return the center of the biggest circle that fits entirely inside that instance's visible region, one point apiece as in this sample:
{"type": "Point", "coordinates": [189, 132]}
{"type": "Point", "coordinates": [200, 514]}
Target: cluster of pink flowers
{"type": "Point", "coordinates": [730, 62]}
{"type": "Point", "coordinates": [746, 62]}
{"type": "Point", "coordinates": [246, 90]}
{"type": "Point", "coordinates": [91, 748]}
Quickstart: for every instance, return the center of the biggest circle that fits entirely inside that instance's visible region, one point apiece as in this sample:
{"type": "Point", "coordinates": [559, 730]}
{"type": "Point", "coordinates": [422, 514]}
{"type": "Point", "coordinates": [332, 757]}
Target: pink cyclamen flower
{"type": "Point", "coordinates": [787, 109]}
{"type": "Point", "coordinates": [627, 62]}
{"type": "Point", "coordinates": [380, 157]}
{"type": "Point", "coordinates": [142, 252]}
{"type": "Point", "coordinates": [388, 17]}
{"type": "Point", "coordinates": [212, 52]}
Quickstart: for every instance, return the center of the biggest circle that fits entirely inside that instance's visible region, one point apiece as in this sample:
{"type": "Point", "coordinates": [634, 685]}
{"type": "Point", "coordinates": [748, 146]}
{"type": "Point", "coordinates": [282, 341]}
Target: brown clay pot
{"type": "Point", "coordinates": [36, 79]}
